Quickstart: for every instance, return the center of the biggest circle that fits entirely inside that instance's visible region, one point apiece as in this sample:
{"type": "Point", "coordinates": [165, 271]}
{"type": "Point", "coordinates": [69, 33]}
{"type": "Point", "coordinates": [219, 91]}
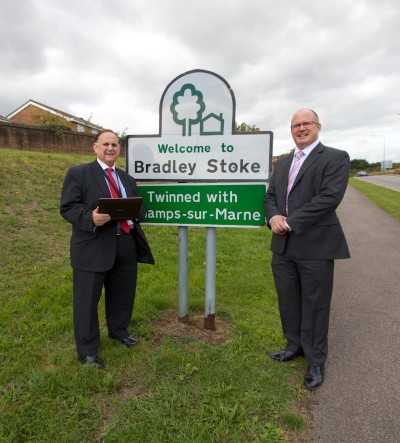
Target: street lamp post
{"type": "Point", "coordinates": [383, 165]}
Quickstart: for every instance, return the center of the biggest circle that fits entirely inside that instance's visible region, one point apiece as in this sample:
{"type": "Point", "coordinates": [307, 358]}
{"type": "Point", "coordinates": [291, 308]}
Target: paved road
{"type": "Point", "coordinates": [360, 399]}
{"type": "Point", "coordinates": [387, 181]}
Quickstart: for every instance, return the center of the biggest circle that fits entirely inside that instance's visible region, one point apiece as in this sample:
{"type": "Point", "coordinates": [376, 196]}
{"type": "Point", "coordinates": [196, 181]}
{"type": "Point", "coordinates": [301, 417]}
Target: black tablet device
{"type": "Point", "coordinates": [121, 208]}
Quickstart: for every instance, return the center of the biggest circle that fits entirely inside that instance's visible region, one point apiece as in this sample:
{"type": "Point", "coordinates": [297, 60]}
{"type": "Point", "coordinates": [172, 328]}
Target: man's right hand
{"type": "Point", "coordinates": [99, 219]}
{"type": "Point", "coordinates": [278, 224]}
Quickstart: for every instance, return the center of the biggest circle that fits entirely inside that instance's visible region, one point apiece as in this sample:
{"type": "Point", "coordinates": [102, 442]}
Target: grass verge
{"type": "Point", "coordinates": [171, 387]}
{"type": "Point", "coordinates": [386, 199]}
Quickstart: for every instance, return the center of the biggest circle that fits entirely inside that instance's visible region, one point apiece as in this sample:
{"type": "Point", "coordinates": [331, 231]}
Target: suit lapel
{"type": "Point", "coordinates": [311, 158]}
{"type": "Point", "coordinates": [99, 179]}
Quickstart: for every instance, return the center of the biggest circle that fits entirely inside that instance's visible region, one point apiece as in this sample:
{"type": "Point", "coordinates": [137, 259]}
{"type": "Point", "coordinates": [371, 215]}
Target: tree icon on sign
{"type": "Point", "coordinates": [187, 107]}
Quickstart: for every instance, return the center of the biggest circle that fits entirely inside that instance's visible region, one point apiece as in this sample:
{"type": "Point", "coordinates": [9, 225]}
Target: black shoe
{"type": "Point", "coordinates": [129, 342]}
{"type": "Point", "coordinates": [94, 360]}
{"type": "Point", "coordinates": [284, 356]}
{"type": "Point", "coordinates": [314, 377]}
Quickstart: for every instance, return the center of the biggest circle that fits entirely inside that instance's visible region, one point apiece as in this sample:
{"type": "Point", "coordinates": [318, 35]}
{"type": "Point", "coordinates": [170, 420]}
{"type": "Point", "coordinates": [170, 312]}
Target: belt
{"type": "Point", "coordinates": [122, 232]}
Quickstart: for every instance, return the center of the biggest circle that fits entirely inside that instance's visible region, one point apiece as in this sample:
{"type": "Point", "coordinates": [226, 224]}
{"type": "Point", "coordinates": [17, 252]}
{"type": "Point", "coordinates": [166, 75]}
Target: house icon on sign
{"type": "Point", "coordinates": [212, 124]}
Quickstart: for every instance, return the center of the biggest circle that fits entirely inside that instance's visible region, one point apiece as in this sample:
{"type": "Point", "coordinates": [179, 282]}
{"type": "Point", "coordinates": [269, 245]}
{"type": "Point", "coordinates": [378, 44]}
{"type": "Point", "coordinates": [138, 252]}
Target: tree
{"type": "Point", "coordinates": [54, 124]}
{"type": "Point", "coordinates": [121, 134]}
{"type": "Point", "coordinates": [187, 107]}
{"type": "Point", "coordinates": [359, 164]}
{"type": "Point", "coordinates": [244, 127]}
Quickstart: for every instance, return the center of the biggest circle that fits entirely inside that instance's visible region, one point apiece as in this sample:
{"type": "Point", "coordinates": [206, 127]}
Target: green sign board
{"type": "Point", "coordinates": [237, 205]}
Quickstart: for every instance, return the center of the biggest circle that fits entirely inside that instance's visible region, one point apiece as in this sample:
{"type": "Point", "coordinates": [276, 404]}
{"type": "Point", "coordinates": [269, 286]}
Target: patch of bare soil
{"type": "Point", "coordinates": [128, 392]}
{"type": "Point", "coordinates": [302, 406]}
{"type": "Point", "coordinates": [169, 325]}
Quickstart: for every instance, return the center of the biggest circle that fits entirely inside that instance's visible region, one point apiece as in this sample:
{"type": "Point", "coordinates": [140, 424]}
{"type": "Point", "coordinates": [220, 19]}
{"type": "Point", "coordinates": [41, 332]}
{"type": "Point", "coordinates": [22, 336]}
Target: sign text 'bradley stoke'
{"type": "Point", "coordinates": [212, 165]}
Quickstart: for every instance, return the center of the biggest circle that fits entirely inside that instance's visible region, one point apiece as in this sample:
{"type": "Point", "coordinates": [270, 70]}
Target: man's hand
{"type": "Point", "coordinates": [278, 224]}
{"type": "Point", "coordinates": [100, 219]}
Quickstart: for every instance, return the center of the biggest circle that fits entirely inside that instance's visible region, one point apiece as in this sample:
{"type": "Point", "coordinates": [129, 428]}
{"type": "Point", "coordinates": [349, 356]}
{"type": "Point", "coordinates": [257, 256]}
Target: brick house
{"type": "Point", "coordinates": [33, 113]}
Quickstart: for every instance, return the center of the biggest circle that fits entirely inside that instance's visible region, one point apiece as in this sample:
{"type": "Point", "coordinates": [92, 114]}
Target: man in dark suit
{"type": "Point", "coordinates": [104, 253]}
{"type": "Point", "coordinates": [300, 203]}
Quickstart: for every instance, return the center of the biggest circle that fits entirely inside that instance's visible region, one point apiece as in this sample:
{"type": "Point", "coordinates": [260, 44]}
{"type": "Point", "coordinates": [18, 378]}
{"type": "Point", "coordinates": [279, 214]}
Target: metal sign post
{"type": "Point", "coordinates": [183, 295]}
{"type": "Point", "coordinates": [211, 271]}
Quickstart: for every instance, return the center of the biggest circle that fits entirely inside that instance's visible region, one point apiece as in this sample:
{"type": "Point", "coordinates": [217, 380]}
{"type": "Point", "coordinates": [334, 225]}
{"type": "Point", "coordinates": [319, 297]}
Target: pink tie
{"type": "Point", "coordinates": [293, 174]}
{"type": "Point", "coordinates": [123, 223]}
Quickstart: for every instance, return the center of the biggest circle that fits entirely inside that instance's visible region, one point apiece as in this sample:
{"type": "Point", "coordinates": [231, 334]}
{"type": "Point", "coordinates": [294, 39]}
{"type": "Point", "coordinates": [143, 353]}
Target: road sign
{"type": "Point", "coordinates": [224, 205]}
{"type": "Point", "coordinates": [197, 140]}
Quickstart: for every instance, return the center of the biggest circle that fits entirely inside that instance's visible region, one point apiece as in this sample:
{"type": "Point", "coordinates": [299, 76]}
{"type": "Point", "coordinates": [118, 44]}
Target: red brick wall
{"type": "Point", "coordinates": [34, 138]}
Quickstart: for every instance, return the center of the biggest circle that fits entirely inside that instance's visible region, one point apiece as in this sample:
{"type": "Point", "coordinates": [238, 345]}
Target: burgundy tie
{"type": "Point", "coordinates": [123, 223]}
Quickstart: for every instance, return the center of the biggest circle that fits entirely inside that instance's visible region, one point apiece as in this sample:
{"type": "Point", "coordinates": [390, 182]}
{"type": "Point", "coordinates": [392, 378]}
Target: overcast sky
{"type": "Point", "coordinates": [112, 60]}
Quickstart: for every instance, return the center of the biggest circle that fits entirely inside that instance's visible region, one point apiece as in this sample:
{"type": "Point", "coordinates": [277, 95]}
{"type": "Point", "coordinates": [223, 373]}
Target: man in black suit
{"type": "Point", "coordinates": [300, 203]}
{"type": "Point", "coordinates": [104, 253]}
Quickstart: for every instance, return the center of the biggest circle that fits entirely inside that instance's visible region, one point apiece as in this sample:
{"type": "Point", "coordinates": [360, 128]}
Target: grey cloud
{"type": "Point", "coordinates": [340, 57]}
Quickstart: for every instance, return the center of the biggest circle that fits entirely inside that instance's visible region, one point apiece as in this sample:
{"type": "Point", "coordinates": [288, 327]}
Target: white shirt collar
{"type": "Point", "coordinates": [104, 166]}
{"type": "Point", "coordinates": [308, 149]}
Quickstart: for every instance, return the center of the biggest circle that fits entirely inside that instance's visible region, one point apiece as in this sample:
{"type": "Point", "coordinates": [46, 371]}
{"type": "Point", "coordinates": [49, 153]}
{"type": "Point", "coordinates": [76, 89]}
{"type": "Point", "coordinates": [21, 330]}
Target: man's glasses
{"type": "Point", "coordinates": [304, 124]}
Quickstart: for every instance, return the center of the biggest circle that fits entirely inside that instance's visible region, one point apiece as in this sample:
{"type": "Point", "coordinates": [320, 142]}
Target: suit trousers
{"type": "Point", "coordinates": [119, 290]}
{"type": "Point", "coordinates": [304, 290]}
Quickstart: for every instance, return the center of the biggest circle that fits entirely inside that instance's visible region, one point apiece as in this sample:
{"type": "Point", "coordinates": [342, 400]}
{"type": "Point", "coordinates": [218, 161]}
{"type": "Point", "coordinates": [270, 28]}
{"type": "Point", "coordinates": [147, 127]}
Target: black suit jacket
{"type": "Point", "coordinates": [317, 191]}
{"type": "Point", "coordinates": [93, 248]}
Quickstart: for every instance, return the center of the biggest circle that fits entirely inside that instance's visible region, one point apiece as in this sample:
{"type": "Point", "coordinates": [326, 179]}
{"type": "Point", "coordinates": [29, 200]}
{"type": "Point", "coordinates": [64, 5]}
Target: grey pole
{"type": "Point", "coordinates": [211, 266]}
{"type": "Point", "coordinates": [183, 297]}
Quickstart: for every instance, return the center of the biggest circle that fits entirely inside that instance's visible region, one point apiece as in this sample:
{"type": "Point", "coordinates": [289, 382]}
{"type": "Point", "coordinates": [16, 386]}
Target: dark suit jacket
{"type": "Point", "coordinates": [317, 191]}
{"type": "Point", "coordinates": [93, 249]}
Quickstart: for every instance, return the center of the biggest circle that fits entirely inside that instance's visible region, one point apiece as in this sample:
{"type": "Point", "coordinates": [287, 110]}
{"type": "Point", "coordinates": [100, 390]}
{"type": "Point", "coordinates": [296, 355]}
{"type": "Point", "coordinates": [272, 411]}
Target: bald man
{"type": "Point", "coordinates": [306, 188]}
{"type": "Point", "coordinates": [104, 252]}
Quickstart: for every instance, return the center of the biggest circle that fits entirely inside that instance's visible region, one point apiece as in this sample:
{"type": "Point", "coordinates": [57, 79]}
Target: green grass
{"type": "Point", "coordinates": [173, 389]}
{"type": "Point", "coordinates": [386, 199]}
